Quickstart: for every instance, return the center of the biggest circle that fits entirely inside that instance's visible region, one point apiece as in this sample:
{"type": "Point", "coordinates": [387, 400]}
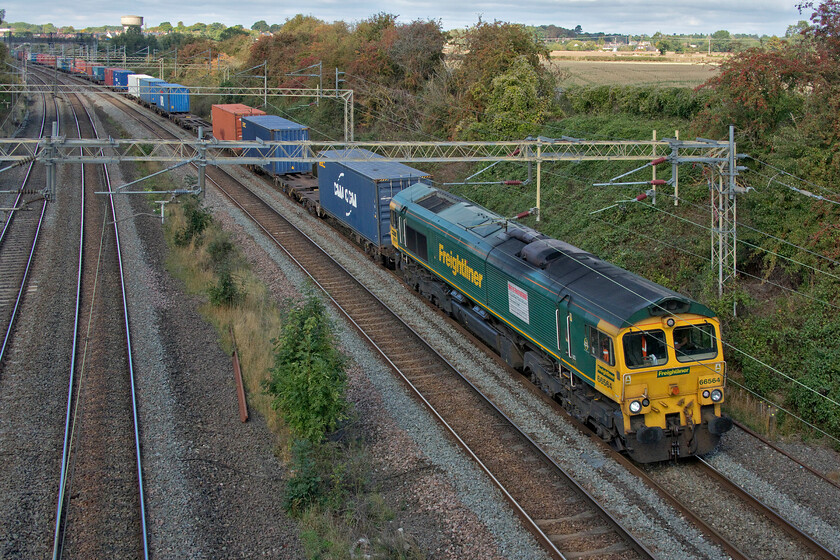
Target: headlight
{"type": "Point", "coordinates": [635, 407]}
{"type": "Point", "coordinates": [706, 394]}
{"type": "Point", "coordinates": [645, 402]}
{"type": "Point", "coordinates": [717, 395]}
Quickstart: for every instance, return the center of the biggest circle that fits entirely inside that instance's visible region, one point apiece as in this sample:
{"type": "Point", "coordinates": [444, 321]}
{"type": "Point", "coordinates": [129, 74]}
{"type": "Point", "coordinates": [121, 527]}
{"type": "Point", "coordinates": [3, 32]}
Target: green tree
{"type": "Point", "coordinates": [308, 380]}
{"type": "Point", "coordinates": [515, 109]}
{"type": "Point", "coordinates": [135, 41]}
{"type": "Point", "coordinates": [260, 26]}
{"type": "Point", "coordinates": [231, 32]}
{"type": "Point", "coordinates": [165, 26]}
{"type": "Point", "coordinates": [721, 41]}
{"type": "Point", "coordinates": [490, 51]}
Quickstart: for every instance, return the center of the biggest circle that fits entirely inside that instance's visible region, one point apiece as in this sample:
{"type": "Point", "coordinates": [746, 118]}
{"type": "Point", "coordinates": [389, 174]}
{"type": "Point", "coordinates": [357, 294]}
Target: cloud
{"type": "Point", "coordinates": [771, 17]}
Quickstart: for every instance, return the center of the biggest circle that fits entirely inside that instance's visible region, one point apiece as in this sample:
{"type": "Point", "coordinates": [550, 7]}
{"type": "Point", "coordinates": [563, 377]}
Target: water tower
{"type": "Point", "coordinates": [131, 21]}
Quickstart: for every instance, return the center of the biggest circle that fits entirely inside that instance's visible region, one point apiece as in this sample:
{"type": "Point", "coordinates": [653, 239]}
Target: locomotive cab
{"type": "Point", "coordinates": [673, 377]}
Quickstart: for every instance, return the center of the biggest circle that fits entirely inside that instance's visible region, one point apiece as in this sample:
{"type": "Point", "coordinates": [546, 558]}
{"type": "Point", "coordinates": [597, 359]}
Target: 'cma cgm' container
{"type": "Point", "coordinates": [359, 193]}
{"type": "Point", "coordinates": [227, 119]}
{"type": "Point", "coordinates": [147, 89]}
{"type": "Point", "coordinates": [172, 98]}
{"type": "Point", "coordinates": [134, 83]}
{"type": "Point", "coordinates": [272, 128]}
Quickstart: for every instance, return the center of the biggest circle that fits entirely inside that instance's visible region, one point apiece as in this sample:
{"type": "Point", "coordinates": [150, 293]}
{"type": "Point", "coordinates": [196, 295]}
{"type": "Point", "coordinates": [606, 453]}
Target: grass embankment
{"type": "Point", "coordinates": [292, 374]}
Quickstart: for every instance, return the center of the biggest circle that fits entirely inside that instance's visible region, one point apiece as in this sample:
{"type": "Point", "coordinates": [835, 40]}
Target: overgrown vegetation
{"type": "Point", "coordinates": [782, 97]}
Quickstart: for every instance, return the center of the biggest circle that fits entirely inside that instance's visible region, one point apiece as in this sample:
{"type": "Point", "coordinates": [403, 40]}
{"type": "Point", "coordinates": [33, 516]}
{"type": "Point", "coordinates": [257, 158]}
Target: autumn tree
{"type": "Point", "coordinates": [260, 26]}
{"type": "Point", "coordinates": [490, 51]}
{"type": "Point", "coordinates": [785, 97]}
{"type": "Point", "coordinates": [515, 108]}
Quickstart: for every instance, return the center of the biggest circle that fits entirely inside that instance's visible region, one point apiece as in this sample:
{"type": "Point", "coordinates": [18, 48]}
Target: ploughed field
{"type": "Point", "coordinates": [601, 73]}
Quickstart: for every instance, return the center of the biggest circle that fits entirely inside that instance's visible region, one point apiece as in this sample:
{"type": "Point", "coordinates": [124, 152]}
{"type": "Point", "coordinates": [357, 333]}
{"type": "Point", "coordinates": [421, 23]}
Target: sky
{"type": "Point", "coordinates": [762, 17]}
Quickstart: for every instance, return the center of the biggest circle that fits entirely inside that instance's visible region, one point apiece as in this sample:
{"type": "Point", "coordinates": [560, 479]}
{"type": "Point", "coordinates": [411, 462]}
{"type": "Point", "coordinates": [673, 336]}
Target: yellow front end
{"type": "Point", "coordinates": [672, 376]}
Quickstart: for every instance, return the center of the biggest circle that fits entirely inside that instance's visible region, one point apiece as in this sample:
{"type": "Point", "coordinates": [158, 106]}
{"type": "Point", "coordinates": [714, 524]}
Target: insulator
{"type": "Point", "coordinates": [658, 182]}
{"type": "Point", "coordinates": [657, 161]}
{"type": "Point", "coordinates": [641, 197]}
{"type": "Point", "coordinates": [514, 152]}
{"type": "Point", "coordinates": [512, 182]}
{"type": "Point", "coordinates": [523, 214]}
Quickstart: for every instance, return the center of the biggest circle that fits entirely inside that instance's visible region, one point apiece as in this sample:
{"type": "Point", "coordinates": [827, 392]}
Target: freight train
{"type": "Point", "coordinates": [169, 99]}
{"type": "Point", "coordinates": [641, 365]}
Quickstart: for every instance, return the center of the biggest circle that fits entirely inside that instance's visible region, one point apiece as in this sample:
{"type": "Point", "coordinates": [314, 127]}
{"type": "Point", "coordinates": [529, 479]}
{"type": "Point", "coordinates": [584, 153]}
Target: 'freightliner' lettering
{"type": "Point", "coordinates": [459, 266]}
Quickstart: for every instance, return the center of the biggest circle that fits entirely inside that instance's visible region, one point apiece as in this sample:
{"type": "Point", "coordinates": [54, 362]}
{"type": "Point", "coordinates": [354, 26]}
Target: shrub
{"type": "Point", "coordinates": [197, 219]}
{"type": "Point", "coordinates": [225, 291]}
{"type": "Point", "coordinates": [303, 488]}
{"type": "Point", "coordinates": [308, 380]}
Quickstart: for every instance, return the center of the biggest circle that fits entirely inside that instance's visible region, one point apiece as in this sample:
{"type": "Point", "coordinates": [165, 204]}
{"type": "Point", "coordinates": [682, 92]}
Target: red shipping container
{"type": "Point", "coordinates": [227, 120]}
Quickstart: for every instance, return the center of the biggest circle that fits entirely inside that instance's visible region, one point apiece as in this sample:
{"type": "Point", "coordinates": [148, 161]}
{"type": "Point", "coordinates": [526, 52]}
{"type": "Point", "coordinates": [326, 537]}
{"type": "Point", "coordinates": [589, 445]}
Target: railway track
{"type": "Point", "coordinates": [423, 374]}
{"type": "Point", "coordinates": [718, 525]}
{"type": "Point", "coordinates": [18, 241]}
{"type": "Point", "coordinates": [100, 506]}
{"type": "Point", "coordinates": [561, 514]}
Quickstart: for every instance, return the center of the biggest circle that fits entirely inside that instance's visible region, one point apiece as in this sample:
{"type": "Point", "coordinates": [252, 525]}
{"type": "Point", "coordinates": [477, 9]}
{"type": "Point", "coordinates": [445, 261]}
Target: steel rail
{"type": "Point", "coordinates": [778, 449]}
{"type": "Point", "coordinates": [785, 524]}
{"type": "Point", "coordinates": [135, 416]}
{"type": "Point", "coordinates": [532, 524]}
{"type": "Point", "coordinates": [65, 453]}
{"type": "Point", "coordinates": [732, 550]}
{"type": "Point", "coordinates": [7, 225]}
{"type": "Point", "coordinates": [57, 547]}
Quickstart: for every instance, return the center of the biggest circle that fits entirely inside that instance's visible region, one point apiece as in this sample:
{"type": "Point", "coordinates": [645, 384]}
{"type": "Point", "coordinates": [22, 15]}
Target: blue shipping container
{"type": "Point", "coordinates": [172, 98]}
{"type": "Point", "coordinates": [99, 73]}
{"type": "Point", "coordinates": [359, 193]}
{"type": "Point", "coordinates": [121, 79]}
{"type": "Point", "coordinates": [147, 90]}
{"type": "Point", "coordinates": [273, 128]}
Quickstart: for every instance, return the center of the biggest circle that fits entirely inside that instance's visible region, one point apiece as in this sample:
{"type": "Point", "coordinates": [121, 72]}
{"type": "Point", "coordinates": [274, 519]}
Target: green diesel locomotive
{"type": "Point", "coordinates": [641, 364]}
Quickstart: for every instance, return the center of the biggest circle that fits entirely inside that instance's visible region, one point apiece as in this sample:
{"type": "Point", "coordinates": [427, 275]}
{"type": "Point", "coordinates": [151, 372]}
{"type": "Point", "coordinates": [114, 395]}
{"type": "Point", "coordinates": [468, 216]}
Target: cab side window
{"type": "Point", "coordinates": [600, 345]}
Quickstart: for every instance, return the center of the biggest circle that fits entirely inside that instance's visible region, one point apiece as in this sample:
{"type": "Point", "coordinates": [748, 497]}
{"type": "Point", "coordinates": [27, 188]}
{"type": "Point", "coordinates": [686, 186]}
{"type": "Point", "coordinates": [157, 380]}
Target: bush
{"type": "Point", "coordinates": [197, 220]}
{"type": "Point", "coordinates": [221, 251]}
{"type": "Point", "coordinates": [308, 380]}
{"type": "Point", "coordinates": [645, 101]}
{"type": "Point", "coordinates": [225, 291]}
{"type": "Point", "coordinates": [303, 488]}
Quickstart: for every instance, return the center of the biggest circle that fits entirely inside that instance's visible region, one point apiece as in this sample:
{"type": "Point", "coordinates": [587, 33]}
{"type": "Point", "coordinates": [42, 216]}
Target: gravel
{"type": "Point", "coordinates": [34, 375]}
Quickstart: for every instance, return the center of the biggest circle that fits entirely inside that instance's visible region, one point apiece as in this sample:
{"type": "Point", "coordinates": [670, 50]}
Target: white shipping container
{"type": "Point", "coordinates": [134, 83]}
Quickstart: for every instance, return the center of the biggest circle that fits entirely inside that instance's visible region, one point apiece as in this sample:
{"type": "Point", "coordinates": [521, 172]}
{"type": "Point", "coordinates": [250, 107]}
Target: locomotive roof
{"type": "Point", "coordinates": [600, 288]}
